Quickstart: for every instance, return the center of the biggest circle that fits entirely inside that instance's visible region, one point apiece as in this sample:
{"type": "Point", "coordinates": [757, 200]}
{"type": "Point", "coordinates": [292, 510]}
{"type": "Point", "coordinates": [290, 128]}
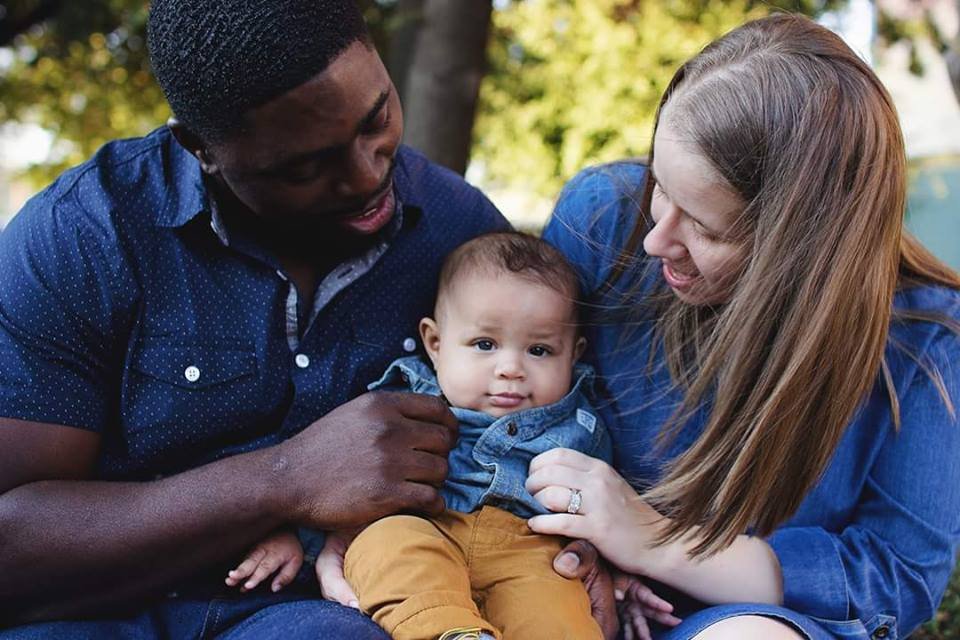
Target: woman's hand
{"type": "Point", "coordinates": [610, 513]}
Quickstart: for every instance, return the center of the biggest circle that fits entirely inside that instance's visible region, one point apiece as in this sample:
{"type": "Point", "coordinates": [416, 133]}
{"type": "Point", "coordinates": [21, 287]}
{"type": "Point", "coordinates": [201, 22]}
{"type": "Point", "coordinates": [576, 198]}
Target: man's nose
{"type": "Point", "coordinates": [665, 239]}
{"type": "Point", "coordinates": [363, 172]}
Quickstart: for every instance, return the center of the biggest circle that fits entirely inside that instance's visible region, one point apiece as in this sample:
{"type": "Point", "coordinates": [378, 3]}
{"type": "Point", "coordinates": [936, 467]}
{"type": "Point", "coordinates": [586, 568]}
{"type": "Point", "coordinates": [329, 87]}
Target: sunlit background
{"type": "Point", "coordinates": [568, 83]}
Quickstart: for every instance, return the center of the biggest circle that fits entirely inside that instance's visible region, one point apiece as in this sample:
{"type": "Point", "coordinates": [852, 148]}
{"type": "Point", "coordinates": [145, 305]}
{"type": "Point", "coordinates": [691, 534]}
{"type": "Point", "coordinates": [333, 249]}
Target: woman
{"type": "Point", "coordinates": [783, 361]}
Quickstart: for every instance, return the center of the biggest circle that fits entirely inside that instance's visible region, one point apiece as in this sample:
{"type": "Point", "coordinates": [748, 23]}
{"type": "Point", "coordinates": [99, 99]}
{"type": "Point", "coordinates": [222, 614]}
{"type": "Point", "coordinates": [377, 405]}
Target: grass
{"type": "Point", "coordinates": [946, 624]}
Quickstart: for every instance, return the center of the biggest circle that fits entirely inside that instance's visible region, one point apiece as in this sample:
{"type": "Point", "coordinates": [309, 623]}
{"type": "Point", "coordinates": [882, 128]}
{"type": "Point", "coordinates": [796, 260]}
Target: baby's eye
{"type": "Point", "coordinates": [483, 345]}
{"type": "Point", "coordinates": [538, 350]}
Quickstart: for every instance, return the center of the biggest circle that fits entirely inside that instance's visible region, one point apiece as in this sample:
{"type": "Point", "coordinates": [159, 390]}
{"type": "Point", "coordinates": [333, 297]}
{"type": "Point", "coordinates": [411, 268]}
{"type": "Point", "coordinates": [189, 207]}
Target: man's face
{"type": "Point", "coordinates": [320, 157]}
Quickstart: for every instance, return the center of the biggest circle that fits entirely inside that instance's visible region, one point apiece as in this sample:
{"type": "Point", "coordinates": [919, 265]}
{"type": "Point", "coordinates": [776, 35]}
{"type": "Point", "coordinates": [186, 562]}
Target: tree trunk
{"type": "Point", "coordinates": [407, 23]}
{"type": "Point", "coordinates": [443, 81]}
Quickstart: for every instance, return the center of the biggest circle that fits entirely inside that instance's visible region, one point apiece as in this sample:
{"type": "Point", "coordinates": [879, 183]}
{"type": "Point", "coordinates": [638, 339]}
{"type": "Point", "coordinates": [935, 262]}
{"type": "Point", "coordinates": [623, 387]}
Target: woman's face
{"type": "Point", "coordinates": [693, 209]}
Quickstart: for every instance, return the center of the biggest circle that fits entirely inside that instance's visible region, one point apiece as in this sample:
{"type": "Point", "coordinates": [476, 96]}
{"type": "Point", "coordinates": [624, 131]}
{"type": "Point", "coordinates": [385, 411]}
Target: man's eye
{"type": "Point", "coordinates": [483, 345]}
{"type": "Point", "coordinates": [539, 350]}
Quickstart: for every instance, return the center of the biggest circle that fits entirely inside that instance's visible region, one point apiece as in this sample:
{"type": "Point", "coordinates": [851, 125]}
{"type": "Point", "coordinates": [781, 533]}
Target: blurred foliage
{"type": "Point", "coordinates": [571, 82]}
{"type": "Point", "coordinates": [946, 624]}
{"type": "Point", "coordinates": [83, 73]}
{"type": "Point", "coordinates": [577, 82]}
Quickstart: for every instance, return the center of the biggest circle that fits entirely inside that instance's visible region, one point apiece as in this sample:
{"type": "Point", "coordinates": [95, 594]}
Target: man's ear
{"type": "Point", "coordinates": [579, 348]}
{"type": "Point", "coordinates": [430, 336]}
{"type": "Point", "coordinates": [192, 143]}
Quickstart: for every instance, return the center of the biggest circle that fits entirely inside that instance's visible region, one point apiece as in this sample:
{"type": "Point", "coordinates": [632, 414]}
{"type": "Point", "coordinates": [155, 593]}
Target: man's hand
{"type": "Point", "coordinates": [579, 559]}
{"type": "Point", "coordinates": [371, 457]}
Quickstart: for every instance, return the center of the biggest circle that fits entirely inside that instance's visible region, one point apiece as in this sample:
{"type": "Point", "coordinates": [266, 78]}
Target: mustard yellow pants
{"type": "Point", "coordinates": [421, 577]}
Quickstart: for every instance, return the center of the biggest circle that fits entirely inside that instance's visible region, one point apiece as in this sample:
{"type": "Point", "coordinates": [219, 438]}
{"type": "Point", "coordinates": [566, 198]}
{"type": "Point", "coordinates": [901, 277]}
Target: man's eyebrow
{"type": "Point", "coordinates": [315, 154]}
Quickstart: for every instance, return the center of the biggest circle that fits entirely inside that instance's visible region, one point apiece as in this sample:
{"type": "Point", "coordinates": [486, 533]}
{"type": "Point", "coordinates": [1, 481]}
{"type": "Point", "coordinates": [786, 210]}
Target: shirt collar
{"type": "Point", "coordinates": [185, 193]}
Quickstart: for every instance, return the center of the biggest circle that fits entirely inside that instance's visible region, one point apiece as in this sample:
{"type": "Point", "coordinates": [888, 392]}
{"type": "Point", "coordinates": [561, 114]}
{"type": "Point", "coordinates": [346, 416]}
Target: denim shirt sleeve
{"type": "Point", "coordinates": [61, 278]}
{"type": "Point", "coordinates": [889, 566]}
{"type": "Point", "coordinates": [593, 219]}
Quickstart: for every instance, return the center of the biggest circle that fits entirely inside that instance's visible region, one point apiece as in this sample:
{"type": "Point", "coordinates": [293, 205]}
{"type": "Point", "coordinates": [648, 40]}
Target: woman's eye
{"type": "Point", "coordinates": [539, 350]}
{"type": "Point", "coordinates": [483, 345]}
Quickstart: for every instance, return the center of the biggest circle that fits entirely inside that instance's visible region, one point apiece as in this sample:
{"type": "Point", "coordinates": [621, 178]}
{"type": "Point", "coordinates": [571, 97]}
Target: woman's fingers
{"type": "Point", "coordinates": [556, 476]}
{"type": "Point", "coordinates": [565, 458]}
{"type": "Point", "coordinates": [558, 499]}
{"type": "Point", "coordinates": [561, 524]}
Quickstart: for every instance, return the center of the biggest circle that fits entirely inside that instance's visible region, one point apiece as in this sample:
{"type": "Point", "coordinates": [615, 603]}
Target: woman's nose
{"type": "Point", "coordinates": [664, 240]}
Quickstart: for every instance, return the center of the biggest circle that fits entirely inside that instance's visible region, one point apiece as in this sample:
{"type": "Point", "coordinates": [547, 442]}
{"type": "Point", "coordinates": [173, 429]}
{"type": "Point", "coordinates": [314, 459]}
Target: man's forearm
{"type": "Point", "coordinates": [77, 547]}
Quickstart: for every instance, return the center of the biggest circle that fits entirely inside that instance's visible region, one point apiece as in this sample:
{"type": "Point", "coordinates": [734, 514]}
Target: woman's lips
{"type": "Point", "coordinates": [374, 218]}
{"type": "Point", "coordinates": [677, 280]}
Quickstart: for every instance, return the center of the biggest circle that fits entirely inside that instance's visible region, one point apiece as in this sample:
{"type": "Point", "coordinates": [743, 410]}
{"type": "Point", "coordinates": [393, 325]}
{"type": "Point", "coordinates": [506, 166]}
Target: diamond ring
{"type": "Point", "coordinates": [576, 499]}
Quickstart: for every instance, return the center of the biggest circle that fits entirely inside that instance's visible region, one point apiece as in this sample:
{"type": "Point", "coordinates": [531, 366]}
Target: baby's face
{"type": "Point", "coordinates": [502, 343]}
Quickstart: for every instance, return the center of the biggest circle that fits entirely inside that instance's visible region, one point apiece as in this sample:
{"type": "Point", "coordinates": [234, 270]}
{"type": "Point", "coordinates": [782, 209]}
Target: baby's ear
{"type": "Point", "coordinates": [579, 347]}
{"type": "Point", "coordinates": [430, 336]}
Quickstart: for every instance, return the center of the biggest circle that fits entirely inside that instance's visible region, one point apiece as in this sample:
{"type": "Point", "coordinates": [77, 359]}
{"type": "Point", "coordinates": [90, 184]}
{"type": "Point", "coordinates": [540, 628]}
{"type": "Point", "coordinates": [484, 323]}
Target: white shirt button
{"type": "Point", "coordinates": [409, 345]}
{"type": "Point", "coordinates": [302, 360]}
{"type": "Point", "coordinates": [191, 373]}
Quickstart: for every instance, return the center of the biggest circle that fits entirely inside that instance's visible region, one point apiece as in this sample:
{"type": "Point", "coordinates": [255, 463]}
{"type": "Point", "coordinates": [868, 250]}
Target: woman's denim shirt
{"type": "Point", "coordinates": [872, 546]}
{"type": "Point", "coordinates": [488, 465]}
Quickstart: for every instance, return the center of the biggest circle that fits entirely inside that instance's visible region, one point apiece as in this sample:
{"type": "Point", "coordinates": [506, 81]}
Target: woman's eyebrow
{"type": "Point", "coordinates": [687, 213]}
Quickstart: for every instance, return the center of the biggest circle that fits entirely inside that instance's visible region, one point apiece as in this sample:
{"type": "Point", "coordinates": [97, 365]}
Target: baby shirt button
{"type": "Point", "coordinates": [511, 428]}
{"type": "Point", "coordinates": [191, 373]}
{"type": "Point", "coordinates": [409, 345]}
{"type": "Point", "coordinates": [302, 360]}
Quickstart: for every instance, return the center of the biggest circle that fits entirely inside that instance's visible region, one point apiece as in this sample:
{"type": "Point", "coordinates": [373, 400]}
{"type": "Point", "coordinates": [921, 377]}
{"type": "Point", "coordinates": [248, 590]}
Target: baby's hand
{"type": "Point", "coordinates": [637, 604]}
{"type": "Point", "coordinates": [333, 585]}
{"type": "Point", "coordinates": [280, 551]}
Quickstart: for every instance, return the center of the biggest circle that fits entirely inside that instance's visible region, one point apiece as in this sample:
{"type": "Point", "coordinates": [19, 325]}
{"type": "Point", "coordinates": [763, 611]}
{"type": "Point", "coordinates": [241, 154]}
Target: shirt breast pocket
{"type": "Point", "coordinates": [181, 394]}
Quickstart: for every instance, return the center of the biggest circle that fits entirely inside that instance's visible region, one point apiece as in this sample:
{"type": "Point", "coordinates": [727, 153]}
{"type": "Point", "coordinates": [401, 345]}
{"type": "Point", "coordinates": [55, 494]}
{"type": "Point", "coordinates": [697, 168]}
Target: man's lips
{"type": "Point", "coordinates": [373, 217]}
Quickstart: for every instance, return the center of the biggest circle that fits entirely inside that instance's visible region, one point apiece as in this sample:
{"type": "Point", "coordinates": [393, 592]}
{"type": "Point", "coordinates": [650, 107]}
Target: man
{"type": "Point", "coordinates": [188, 322]}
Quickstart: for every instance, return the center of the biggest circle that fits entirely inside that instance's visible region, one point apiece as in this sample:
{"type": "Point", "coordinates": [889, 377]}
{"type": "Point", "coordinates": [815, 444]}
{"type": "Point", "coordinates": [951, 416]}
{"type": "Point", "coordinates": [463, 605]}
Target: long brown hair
{"type": "Point", "coordinates": [805, 133]}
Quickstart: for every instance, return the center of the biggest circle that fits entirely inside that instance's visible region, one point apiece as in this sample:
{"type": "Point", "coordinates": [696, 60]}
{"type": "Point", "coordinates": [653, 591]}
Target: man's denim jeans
{"type": "Point", "coordinates": [283, 616]}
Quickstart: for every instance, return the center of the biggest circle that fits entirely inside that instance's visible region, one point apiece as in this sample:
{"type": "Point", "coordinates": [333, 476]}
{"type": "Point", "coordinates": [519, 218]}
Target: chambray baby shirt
{"type": "Point", "coordinates": [488, 465]}
{"type": "Point", "coordinates": [124, 311]}
{"type": "Point", "coordinates": [872, 546]}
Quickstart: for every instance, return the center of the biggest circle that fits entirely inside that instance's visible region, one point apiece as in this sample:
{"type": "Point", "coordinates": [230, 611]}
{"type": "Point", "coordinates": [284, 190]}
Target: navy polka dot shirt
{"type": "Point", "coordinates": [124, 311]}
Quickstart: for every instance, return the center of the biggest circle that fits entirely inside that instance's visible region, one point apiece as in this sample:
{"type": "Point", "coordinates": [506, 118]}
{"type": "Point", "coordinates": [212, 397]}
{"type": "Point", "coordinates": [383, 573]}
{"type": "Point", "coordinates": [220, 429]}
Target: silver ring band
{"type": "Point", "coordinates": [576, 500]}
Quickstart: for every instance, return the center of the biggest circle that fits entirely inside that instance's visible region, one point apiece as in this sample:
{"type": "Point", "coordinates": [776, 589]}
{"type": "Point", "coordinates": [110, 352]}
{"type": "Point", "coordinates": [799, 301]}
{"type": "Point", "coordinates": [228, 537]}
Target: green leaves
{"type": "Point", "coordinates": [577, 82]}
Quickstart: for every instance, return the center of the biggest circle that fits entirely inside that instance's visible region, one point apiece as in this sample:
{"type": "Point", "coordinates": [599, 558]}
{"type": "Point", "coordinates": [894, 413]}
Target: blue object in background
{"type": "Point", "coordinates": [933, 208]}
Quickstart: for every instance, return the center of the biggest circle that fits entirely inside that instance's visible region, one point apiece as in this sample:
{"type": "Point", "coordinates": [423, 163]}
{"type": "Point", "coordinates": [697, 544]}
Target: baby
{"type": "Point", "coordinates": [504, 345]}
